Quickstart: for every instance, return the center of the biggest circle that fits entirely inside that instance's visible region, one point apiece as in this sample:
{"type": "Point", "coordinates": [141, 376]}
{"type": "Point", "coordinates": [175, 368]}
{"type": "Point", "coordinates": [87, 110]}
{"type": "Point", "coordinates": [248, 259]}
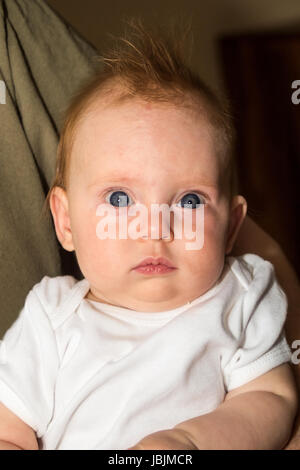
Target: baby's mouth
{"type": "Point", "coordinates": [151, 261]}
{"type": "Point", "coordinates": [153, 265]}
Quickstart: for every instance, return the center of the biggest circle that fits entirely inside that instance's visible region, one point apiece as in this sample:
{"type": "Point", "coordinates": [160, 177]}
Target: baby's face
{"type": "Point", "coordinates": [148, 153]}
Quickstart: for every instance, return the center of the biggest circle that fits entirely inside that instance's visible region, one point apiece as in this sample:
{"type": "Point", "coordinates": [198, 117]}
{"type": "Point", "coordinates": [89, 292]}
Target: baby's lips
{"type": "Point", "coordinates": [155, 261]}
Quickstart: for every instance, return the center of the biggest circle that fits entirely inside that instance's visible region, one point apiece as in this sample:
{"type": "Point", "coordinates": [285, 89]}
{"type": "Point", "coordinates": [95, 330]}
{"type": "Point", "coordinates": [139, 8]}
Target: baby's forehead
{"type": "Point", "coordinates": [147, 161]}
{"type": "Point", "coordinates": [107, 123]}
{"type": "Point", "coordinates": [140, 118]}
{"type": "Point", "coordinates": [123, 112]}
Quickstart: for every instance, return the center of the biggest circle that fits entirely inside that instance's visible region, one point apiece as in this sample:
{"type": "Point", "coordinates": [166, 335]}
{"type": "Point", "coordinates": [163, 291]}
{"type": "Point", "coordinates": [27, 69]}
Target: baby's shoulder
{"type": "Point", "coordinates": [250, 269]}
{"type": "Point", "coordinates": [52, 292]}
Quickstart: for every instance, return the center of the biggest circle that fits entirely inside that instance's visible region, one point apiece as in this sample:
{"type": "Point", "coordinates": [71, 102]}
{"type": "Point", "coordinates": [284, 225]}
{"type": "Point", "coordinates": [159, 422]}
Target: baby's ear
{"type": "Point", "coordinates": [238, 213]}
{"type": "Point", "coordinates": [60, 212]}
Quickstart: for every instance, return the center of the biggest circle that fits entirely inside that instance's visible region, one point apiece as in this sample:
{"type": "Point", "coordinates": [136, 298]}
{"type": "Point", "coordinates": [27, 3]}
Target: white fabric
{"type": "Point", "coordinates": [87, 375]}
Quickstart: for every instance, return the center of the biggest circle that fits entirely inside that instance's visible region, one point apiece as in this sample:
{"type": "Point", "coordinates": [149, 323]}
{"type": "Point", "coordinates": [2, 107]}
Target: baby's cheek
{"type": "Point", "coordinates": [85, 240]}
{"type": "Point", "coordinates": [215, 226]}
{"type": "Point", "coordinates": [209, 259]}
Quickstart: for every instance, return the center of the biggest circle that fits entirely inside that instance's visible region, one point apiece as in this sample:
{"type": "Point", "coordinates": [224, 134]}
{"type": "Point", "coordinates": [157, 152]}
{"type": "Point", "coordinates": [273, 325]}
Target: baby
{"type": "Point", "coordinates": [159, 346]}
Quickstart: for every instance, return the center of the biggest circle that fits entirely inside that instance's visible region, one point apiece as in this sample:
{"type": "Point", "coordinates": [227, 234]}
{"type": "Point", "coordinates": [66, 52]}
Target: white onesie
{"type": "Point", "coordinates": [87, 375]}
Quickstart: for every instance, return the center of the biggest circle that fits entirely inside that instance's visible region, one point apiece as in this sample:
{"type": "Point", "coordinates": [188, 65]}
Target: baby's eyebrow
{"type": "Point", "coordinates": [130, 179]}
{"type": "Point", "coordinates": [115, 179]}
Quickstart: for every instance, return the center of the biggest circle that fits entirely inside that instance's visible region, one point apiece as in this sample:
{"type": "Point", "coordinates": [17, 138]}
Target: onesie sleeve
{"type": "Point", "coordinates": [29, 365]}
{"type": "Point", "coordinates": [261, 343]}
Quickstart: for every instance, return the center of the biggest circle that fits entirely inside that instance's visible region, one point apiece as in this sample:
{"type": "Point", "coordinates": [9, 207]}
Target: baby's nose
{"type": "Point", "coordinates": [158, 223]}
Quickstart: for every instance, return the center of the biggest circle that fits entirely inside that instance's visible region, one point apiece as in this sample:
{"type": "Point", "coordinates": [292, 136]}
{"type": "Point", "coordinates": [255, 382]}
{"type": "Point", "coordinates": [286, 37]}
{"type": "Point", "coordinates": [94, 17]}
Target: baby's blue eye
{"type": "Point", "coordinates": [191, 200]}
{"type": "Point", "coordinates": [118, 199]}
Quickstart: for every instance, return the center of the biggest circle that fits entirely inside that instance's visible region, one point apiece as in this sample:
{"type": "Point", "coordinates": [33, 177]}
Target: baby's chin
{"type": "Point", "coordinates": [158, 297]}
{"type": "Point", "coordinates": [141, 303]}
